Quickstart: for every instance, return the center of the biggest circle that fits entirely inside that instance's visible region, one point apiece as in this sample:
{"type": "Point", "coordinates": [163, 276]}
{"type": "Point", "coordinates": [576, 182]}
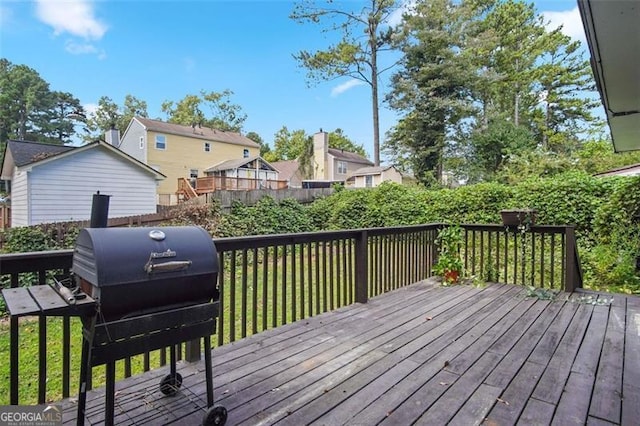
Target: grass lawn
{"type": "Point", "coordinates": [28, 368]}
{"type": "Point", "coordinates": [271, 286]}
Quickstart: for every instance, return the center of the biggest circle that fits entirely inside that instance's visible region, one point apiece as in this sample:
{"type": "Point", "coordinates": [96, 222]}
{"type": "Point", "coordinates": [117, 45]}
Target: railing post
{"type": "Point", "coordinates": [570, 259]}
{"type": "Point", "coordinates": [13, 361]}
{"type": "Point", "coordinates": [192, 350]}
{"type": "Point", "coordinates": [361, 267]}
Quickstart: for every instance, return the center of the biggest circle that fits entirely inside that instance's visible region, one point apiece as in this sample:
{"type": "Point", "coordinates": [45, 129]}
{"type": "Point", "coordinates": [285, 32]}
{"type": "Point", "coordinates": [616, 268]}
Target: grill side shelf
{"type": "Point", "coordinates": [19, 302]}
{"type": "Point", "coordinates": [44, 300]}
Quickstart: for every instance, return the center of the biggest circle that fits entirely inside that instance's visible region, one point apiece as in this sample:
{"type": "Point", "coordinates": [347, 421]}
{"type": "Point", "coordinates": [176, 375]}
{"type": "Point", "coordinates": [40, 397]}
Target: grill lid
{"type": "Point", "coordinates": [115, 256]}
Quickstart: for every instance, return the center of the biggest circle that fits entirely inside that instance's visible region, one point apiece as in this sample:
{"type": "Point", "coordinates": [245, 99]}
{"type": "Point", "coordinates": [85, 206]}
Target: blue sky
{"type": "Point", "coordinates": [161, 50]}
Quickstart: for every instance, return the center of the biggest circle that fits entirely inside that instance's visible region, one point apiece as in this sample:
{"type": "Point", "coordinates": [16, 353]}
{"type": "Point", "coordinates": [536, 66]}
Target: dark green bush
{"type": "Point", "coordinates": [266, 217]}
{"type": "Point", "coordinates": [606, 212]}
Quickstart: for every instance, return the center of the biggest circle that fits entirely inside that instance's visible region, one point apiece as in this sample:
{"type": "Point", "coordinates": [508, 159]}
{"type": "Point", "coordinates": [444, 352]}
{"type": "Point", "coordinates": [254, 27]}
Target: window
{"type": "Point", "coordinates": [207, 147]}
{"type": "Point", "coordinates": [141, 142]}
{"type": "Point", "coordinates": [368, 181]}
{"type": "Point", "coordinates": [193, 173]}
{"type": "Point", "coordinates": [245, 153]}
{"type": "Point", "coordinates": [342, 168]}
{"type": "Point", "coordinates": [161, 142]}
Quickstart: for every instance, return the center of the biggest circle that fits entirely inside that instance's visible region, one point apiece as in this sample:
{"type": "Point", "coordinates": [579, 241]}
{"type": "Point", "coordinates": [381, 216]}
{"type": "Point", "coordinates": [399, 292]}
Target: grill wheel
{"type": "Point", "coordinates": [216, 416]}
{"type": "Point", "coordinates": [170, 384]}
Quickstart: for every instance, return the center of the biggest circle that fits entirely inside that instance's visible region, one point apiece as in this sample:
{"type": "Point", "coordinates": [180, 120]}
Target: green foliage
{"type": "Point", "coordinates": [479, 203]}
{"type": "Point", "coordinates": [110, 115]}
{"type": "Point", "coordinates": [449, 241]}
{"type": "Point", "coordinates": [264, 147]}
{"type": "Point", "coordinates": [29, 110]}
{"type": "Point", "coordinates": [290, 145]}
{"type": "Point", "coordinates": [338, 140]}
{"type": "Point", "coordinates": [207, 216]}
{"type": "Point", "coordinates": [608, 267]}
{"type": "Point", "coordinates": [598, 156]}
{"type": "Point", "coordinates": [25, 239]}
{"type": "Point", "coordinates": [482, 82]}
{"type": "Point", "coordinates": [570, 198]}
{"type": "Point", "coordinates": [606, 212]}
{"type": "Point", "coordinates": [493, 146]}
{"type": "Point", "coordinates": [611, 261]}
{"type": "Point", "coordinates": [266, 217]}
{"type": "Point", "coordinates": [224, 115]}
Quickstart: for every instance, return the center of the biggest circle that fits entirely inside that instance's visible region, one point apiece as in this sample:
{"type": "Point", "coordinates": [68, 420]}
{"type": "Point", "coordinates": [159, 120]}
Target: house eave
{"type": "Point", "coordinates": [613, 36]}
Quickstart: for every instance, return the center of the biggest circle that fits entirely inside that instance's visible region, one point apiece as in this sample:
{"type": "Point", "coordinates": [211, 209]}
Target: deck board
{"type": "Point", "coordinates": [423, 354]}
{"type": "Point", "coordinates": [631, 377]}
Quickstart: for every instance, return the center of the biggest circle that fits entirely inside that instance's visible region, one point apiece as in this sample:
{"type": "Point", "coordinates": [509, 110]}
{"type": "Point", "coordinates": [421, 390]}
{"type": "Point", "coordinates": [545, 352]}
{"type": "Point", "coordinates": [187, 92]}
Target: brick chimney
{"type": "Point", "coordinates": [320, 155]}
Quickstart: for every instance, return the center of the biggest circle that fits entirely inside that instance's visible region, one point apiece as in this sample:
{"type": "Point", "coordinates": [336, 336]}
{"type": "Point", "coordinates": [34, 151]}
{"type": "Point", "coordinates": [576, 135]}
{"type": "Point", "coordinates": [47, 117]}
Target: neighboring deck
{"type": "Point", "coordinates": [423, 353]}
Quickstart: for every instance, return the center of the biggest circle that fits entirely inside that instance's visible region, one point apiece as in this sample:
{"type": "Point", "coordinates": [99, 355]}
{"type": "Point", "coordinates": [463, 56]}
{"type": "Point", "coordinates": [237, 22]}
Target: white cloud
{"type": "Point", "coordinates": [396, 17]}
{"type": "Point", "coordinates": [570, 21]}
{"type": "Point", "coordinates": [79, 48]}
{"type": "Point", "coordinates": [5, 15]}
{"type": "Point", "coordinates": [84, 49]}
{"type": "Point", "coordinates": [75, 17]}
{"type": "Point", "coordinates": [340, 89]}
{"type": "Point", "coordinates": [90, 108]}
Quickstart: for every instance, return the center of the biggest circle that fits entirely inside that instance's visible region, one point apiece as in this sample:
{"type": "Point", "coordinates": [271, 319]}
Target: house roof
{"type": "Point", "coordinates": [613, 36]}
{"type": "Point", "coordinates": [237, 163]}
{"type": "Point", "coordinates": [351, 157]}
{"type": "Point", "coordinates": [25, 152]}
{"type": "Point", "coordinates": [30, 155]}
{"type": "Point", "coordinates": [19, 153]}
{"type": "Point", "coordinates": [204, 133]}
{"type": "Point", "coordinates": [286, 168]}
{"type": "Point", "coordinates": [620, 170]}
{"type": "Point", "coordinates": [374, 170]}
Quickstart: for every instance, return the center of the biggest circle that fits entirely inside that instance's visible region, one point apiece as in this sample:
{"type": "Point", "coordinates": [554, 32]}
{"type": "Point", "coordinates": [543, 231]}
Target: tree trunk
{"type": "Point", "coordinates": [516, 108]}
{"type": "Point", "coordinates": [516, 101]}
{"type": "Point", "coordinates": [373, 42]}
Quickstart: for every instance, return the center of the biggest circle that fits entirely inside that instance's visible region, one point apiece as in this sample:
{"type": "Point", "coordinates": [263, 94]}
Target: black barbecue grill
{"type": "Point", "coordinates": [153, 287]}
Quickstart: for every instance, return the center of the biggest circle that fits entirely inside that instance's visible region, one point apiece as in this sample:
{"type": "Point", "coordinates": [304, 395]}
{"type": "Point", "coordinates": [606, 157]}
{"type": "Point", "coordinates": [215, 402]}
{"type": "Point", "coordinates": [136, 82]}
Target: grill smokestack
{"type": "Point", "coordinates": [99, 211]}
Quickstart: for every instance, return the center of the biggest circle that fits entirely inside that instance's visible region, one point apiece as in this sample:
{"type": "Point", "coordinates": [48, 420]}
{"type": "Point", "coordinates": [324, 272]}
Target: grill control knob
{"type": "Point", "coordinates": [157, 235]}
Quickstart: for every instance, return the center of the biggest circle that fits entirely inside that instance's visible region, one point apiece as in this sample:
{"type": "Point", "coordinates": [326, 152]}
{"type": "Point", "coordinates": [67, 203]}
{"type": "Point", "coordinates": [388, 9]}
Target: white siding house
{"type": "Point", "coordinates": [58, 187]}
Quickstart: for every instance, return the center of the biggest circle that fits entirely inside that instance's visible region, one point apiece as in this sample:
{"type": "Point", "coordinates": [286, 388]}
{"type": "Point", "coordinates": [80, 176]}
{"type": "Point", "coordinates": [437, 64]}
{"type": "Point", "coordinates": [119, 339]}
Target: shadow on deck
{"type": "Point", "coordinates": [423, 353]}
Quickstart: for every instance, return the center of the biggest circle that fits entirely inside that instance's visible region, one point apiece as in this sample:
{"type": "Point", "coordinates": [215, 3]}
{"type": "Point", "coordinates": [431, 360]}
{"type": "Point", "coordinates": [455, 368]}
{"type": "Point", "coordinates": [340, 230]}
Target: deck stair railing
{"type": "Point", "coordinates": [185, 190]}
{"type": "Point", "coordinates": [268, 281]}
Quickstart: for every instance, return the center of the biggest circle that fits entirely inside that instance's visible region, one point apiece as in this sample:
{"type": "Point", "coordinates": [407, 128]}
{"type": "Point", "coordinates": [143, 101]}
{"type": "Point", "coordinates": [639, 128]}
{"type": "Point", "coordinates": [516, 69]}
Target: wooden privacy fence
{"type": "Point", "coordinates": [268, 281]}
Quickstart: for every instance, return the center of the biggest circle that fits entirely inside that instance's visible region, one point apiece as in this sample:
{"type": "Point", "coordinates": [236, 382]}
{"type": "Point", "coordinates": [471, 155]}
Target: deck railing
{"type": "Point", "coordinates": [268, 281]}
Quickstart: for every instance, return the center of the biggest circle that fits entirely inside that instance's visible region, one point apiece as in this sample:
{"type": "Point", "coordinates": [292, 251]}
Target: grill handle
{"type": "Point", "coordinates": [174, 265]}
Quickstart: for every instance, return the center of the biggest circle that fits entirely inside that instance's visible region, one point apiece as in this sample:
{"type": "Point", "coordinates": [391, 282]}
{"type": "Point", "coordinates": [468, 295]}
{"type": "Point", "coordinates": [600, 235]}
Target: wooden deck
{"type": "Point", "coordinates": [423, 354]}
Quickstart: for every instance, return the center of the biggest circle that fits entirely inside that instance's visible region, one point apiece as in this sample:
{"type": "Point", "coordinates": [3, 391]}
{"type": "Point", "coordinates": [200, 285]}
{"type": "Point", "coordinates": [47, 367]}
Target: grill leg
{"type": "Point", "coordinates": [85, 370]}
{"type": "Point", "coordinates": [88, 329]}
{"type": "Point", "coordinates": [110, 393]}
{"type": "Point", "coordinates": [172, 360]}
{"type": "Point", "coordinates": [207, 370]}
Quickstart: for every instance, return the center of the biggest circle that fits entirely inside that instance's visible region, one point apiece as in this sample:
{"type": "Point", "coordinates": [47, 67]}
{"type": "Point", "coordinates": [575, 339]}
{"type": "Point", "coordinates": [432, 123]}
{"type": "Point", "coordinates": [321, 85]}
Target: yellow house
{"type": "Point", "coordinates": [179, 151]}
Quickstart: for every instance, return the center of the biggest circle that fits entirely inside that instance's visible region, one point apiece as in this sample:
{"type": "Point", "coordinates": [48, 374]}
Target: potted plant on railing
{"type": "Point", "coordinates": [449, 264]}
{"type": "Point", "coordinates": [519, 218]}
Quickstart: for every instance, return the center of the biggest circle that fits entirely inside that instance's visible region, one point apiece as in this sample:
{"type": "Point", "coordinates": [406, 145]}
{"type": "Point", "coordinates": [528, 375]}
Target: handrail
{"type": "Point", "coordinates": [185, 188]}
{"type": "Point", "coordinates": [270, 280]}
